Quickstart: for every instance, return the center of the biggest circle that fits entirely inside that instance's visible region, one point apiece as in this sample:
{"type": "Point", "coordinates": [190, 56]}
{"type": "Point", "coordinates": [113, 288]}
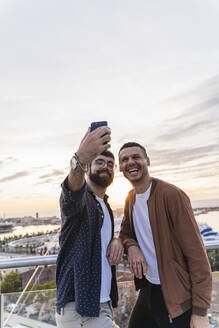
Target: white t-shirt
{"type": "Point", "coordinates": [144, 235]}
{"type": "Point", "coordinates": [106, 234]}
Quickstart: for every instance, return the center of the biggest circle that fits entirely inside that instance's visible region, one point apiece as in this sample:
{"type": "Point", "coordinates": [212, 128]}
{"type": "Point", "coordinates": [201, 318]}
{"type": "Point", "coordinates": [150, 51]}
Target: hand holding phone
{"type": "Point", "coordinates": [95, 125]}
{"type": "Point", "coordinates": [93, 144]}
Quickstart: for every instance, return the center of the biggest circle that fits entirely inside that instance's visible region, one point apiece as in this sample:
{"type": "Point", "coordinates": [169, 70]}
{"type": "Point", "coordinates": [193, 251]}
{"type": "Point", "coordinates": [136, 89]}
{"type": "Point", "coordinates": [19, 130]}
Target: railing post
{"type": "Point", "coordinates": [1, 311]}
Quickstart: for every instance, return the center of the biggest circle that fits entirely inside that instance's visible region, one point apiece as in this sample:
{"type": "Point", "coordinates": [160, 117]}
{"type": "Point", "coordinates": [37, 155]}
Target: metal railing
{"type": "Point", "coordinates": [126, 291]}
{"type": "Point", "coordinates": [51, 259]}
{"type": "Point", "coordinates": [27, 261]}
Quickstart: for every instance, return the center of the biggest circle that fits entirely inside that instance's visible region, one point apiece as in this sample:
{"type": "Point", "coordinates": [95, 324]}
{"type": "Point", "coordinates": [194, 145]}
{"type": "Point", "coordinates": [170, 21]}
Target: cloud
{"type": "Point", "coordinates": [14, 176]}
{"type": "Point", "coordinates": [192, 135]}
{"type": "Point", "coordinates": [183, 155]}
{"type": "Point", "coordinates": [45, 181]}
{"type": "Point", "coordinates": [50, 177]}
{"type": "Point", "coordinates": [54, 183]}
{"type": "Point", "coordinates": [182, 132]}
{"type": "Point", "coordinates": [12, 158]}
{"type": "Point", "coordinates": [206, 112]}
{"type": "Point", "coordinates": [184, 146]}
{"type": "Point", "coordinates": [196, 171]}
{"type": "Point", "coordinates": [189, 167]}
{"type": "Point", "coordinates": [7, 161]}
{"type": "Point", "coordinates": [205, 99]}
{"type": "Point", "coordinates": [197, 122]}
{"type": "Point", "coordinates": [52, 174]}
{"type": "Point", "coordinates": [41, 167]}
{"type": "Point", "coordinates": [204, 90]}
{"type": "Point", "coordinates": [205, 174]}
{"type": "Point", "coordinates": [177, 129]}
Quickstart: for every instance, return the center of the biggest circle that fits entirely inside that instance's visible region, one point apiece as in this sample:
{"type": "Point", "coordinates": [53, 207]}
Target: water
{"type": "Point", "coordinates": [211, 218]}
{"type": "Point", "coordinates": [22, 230]}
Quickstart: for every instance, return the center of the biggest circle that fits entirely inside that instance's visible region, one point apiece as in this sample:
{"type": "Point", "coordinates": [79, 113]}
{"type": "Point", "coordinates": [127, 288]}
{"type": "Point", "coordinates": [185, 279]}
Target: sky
{"type": "Point", "coordinates": [150, 68]}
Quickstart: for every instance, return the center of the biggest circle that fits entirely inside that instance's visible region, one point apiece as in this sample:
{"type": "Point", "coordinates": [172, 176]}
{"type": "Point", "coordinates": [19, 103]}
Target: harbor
{"type": "Point", "coordinates": [37, 239]}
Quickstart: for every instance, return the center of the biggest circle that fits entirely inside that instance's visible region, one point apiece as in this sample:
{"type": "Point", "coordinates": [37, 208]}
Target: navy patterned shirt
{"type": "Point", "coordinates": [78, 272]}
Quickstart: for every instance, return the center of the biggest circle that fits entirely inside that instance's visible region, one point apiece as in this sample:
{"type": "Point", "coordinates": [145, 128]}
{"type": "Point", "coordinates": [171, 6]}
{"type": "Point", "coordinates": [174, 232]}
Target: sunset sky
{"type": "Point", "coordinates": [150, 68]}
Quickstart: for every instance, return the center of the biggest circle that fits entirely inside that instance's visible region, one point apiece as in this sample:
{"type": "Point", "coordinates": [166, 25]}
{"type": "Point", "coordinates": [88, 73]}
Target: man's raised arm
{"type": "Point", "coordinates": [93, 144]}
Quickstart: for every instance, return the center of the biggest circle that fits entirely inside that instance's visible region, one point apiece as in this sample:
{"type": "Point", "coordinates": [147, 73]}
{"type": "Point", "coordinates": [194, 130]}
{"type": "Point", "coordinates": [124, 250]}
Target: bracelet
{"type": "Point", "coordinates": [84, 168]}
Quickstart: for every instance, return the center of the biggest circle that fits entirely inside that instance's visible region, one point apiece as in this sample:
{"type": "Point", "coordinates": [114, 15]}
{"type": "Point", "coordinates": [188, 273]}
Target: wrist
{"type": "Point", "coordinates": [196, 311]}
{"type": "Point", "coordinates": [131, 246]}
{"type": "Point", "coordinates": [76, 164]}
{"type": "Point", "coordinates": [81, 158]}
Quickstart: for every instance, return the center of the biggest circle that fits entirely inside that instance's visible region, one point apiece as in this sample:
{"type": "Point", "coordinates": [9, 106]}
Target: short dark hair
{"type": "Point", "coordinates": [108, 153]}
{"type": "Point", "coordinates": [134, 144]}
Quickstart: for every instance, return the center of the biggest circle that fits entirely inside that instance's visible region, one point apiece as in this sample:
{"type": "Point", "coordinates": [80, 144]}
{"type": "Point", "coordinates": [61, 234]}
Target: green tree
{"type": "Point", "coordinates": [11, 283]}
{"type": "Point", "coordinates": [217, 262]}
{"type": "Point", "coordinates": [47, 285]}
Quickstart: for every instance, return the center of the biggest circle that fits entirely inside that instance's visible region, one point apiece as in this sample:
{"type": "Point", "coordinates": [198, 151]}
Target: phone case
{"type": "Point", "coordinates": [95, 125]}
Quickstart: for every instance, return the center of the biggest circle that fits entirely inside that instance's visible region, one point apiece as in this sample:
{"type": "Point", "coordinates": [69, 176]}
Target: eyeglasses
{"type": "Point", "coordinates": [101, 163]}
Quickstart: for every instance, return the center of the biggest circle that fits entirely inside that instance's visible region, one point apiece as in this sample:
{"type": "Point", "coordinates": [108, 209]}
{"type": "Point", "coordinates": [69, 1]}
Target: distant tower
{"type": "Point", "coordinates": [37, 215]}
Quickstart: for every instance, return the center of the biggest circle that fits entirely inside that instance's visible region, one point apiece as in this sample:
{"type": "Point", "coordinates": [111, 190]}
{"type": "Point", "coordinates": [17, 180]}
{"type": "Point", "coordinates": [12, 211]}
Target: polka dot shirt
{"type": "Point", "coordinates": [78, 272]}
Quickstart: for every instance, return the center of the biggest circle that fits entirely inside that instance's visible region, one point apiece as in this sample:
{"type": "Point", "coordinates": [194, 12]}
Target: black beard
{"type": "Point", "coordinates": [101, 181]}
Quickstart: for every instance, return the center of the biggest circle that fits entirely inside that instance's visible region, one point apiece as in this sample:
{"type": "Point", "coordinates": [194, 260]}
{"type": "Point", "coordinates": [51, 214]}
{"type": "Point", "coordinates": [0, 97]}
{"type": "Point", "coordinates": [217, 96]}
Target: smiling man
{"type": "Point", "coordinates": [86, 275]}
{"type": "Point", "coordinates": [165, 249]}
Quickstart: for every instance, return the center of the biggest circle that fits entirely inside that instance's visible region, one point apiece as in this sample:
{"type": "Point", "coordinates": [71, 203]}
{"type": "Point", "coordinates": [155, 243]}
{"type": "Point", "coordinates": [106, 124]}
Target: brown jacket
{"type": "Point", "coordinates": [184, 270]}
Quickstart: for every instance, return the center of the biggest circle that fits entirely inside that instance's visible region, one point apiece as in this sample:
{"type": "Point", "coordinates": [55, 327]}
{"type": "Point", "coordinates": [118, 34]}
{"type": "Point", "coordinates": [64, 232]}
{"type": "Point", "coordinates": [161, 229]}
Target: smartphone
{"type": "Point", "coordinates": [95, 125]}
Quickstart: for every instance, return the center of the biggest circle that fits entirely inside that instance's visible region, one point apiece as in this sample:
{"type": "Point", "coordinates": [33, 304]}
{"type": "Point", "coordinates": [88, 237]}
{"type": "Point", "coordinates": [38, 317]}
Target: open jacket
{"type": "Point", "coordinates": [184, 269]}
{"type": "Point", "coordinates": [78, 271]}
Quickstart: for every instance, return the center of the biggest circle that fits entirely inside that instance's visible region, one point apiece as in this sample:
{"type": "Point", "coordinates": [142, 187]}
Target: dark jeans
{"type": "Point", "coordinates": [150, 311]}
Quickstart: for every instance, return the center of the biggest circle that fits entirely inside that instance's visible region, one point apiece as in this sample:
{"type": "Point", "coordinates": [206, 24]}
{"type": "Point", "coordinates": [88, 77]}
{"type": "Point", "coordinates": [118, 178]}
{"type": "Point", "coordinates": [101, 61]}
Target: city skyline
{"type": "Point", "coordinates": [150, 69]}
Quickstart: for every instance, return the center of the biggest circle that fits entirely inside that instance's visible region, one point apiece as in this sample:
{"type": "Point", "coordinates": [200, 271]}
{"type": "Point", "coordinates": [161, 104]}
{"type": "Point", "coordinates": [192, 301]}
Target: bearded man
{"type": "Point", "coordinates": [89, 251]}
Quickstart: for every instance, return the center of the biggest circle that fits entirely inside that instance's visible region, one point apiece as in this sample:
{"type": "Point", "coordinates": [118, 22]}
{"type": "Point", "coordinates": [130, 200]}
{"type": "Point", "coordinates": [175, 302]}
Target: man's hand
{"type": "Point", "coordinates": [115, 251]}
{"type": "Point", "coordinates": [137, 262]}
{"type": "Point", "coordinates": [93, 144]}
{"type": "Point", "coordinates": [199, 322]}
